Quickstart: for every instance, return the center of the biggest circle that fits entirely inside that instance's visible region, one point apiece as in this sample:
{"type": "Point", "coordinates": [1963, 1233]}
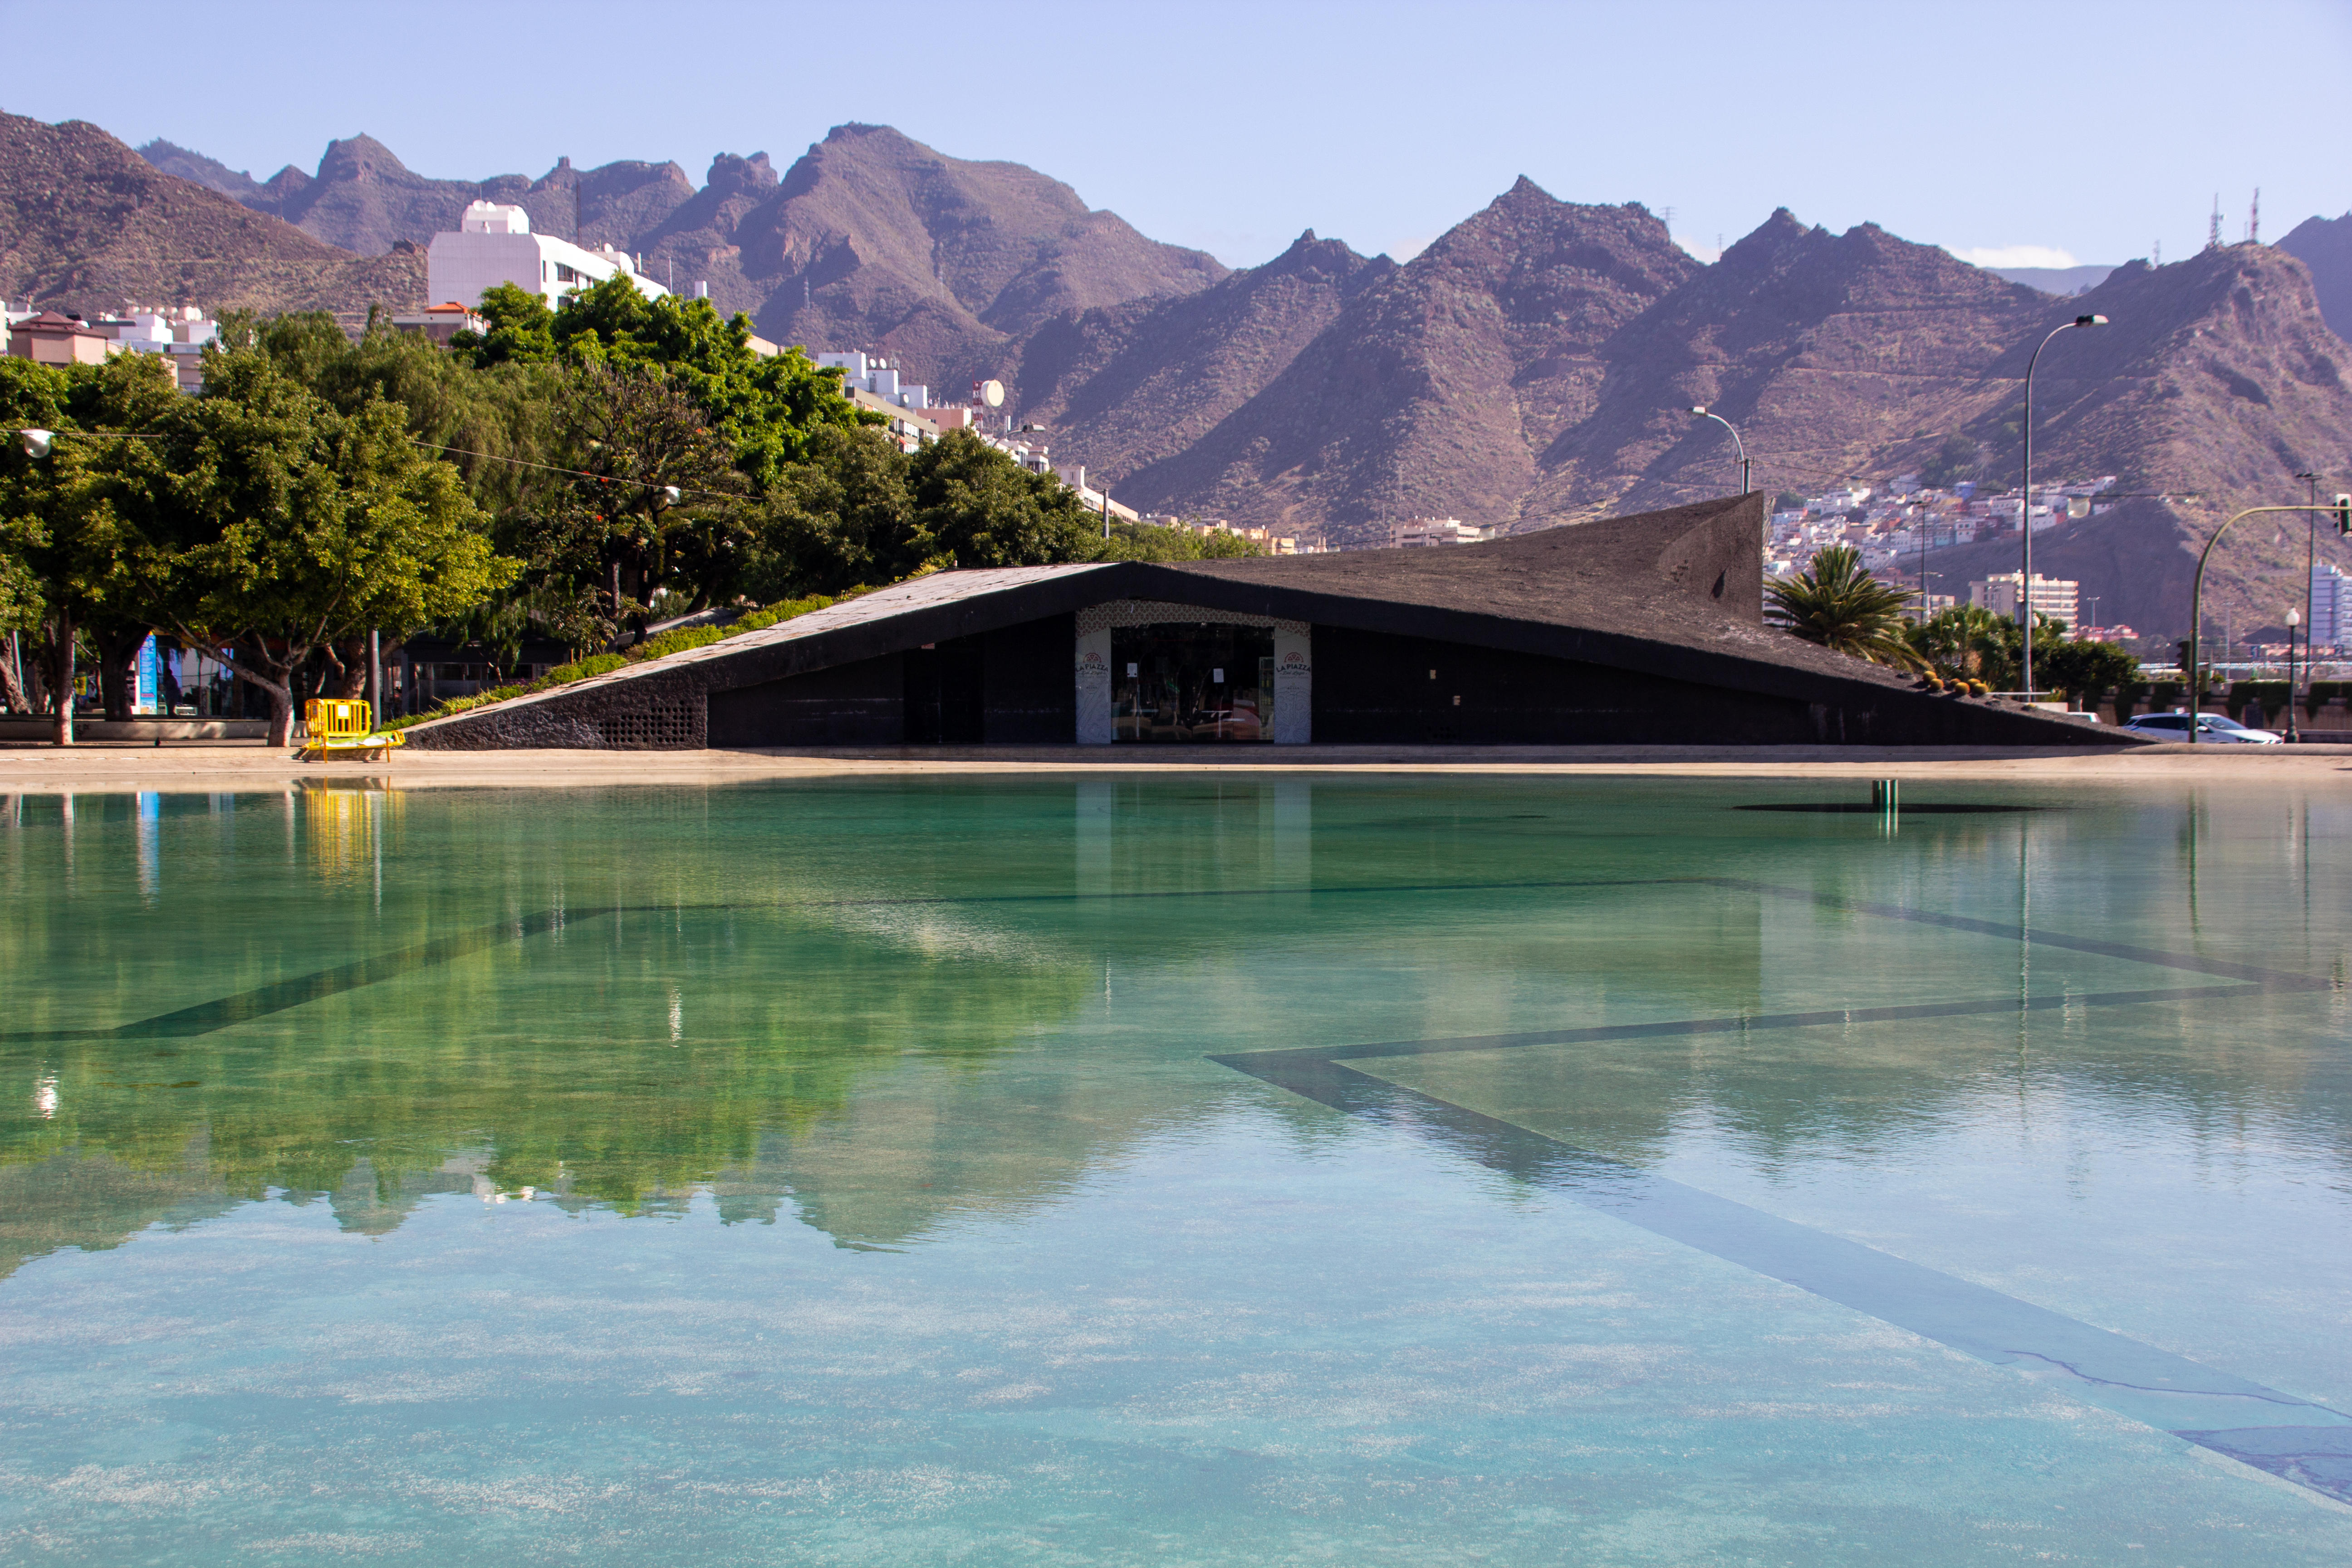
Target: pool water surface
{"type": "Point", "coordinates": [1177, 1168]}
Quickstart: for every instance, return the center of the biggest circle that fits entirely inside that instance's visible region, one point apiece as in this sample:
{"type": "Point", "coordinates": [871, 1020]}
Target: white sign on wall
{"type": "Point", "coordinates": [1094, 688]}
{"type": "Point", "coordinates": [1294, 686]}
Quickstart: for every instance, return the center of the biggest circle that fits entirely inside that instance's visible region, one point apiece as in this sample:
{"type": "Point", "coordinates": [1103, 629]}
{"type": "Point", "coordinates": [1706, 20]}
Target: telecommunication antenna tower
{"type": "Point", "coordinates": [2254, 219]}
{"type": "Point", "coordinates": [2213, 233]}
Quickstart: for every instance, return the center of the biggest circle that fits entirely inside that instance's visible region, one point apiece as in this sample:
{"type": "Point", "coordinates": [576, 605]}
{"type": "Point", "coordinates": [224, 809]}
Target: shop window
{"type": "Point", "coordinates": [1192, 683]}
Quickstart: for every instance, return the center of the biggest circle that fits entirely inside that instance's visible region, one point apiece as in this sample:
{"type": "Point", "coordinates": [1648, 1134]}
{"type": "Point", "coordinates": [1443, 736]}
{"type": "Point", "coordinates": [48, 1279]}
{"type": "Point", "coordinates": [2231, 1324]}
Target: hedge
{"type": "Point", "coordinates": [677, 639]}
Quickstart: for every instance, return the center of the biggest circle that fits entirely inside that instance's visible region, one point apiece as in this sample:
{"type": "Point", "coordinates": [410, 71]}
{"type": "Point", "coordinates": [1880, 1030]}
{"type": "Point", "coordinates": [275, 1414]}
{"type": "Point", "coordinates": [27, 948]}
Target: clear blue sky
{"type": "Point", "coordinates": [2094, 130]}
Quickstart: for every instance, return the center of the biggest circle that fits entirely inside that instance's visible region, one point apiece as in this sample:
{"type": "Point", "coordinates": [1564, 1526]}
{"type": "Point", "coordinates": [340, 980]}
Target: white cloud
{"type": "Point", "coordinates": [2017, 255]}
{"type": "Point", "coordinates": [1411, 245]}
{"type": "Point", "coordinates": [1707, 253]}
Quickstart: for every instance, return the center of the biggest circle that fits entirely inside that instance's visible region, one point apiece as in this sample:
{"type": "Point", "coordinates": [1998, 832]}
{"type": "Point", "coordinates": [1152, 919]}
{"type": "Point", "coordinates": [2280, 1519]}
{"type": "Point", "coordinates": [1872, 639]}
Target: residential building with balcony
{"type": "Point", "coordinates": [2059, 597]}
{"type": "Point", "coordinates": [493, 244]}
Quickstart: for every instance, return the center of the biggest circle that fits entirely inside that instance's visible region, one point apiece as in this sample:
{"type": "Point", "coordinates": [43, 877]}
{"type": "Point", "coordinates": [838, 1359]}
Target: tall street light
{"type": "Point", "coordinates": [2293, 619]}
{"type": "Point", "coordinates": [2341, 509]}
{"type": "Point", "coordinates": [2025, 508]}
{"type": "Point", "coordinates": [2310, 590]}
{"type": "Point", "coordinates": [1700, 409]}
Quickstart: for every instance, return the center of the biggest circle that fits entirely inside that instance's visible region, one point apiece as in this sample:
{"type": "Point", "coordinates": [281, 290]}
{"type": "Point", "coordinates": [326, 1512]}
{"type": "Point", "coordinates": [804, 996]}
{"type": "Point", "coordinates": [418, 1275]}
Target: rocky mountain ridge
{"type": "Point", "coordinates": [88, 224]}
{"type": "Point", "coordinates": [1533, 367]}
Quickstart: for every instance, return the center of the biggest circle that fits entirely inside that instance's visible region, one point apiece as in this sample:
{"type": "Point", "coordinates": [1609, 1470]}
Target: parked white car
{"type": "Point", "coordinates": [2211, 730]}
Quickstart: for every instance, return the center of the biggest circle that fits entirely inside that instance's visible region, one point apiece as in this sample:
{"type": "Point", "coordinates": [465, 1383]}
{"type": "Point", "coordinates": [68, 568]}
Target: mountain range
{"type": "Point", "coordinates": [1534, 365]}
{"type": "Point", "coordinates": [87, 225]}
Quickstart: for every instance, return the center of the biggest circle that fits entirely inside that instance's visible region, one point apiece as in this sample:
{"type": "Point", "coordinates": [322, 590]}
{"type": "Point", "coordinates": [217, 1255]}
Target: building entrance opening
{"type": "Point", "coordinates": [1192, 682]}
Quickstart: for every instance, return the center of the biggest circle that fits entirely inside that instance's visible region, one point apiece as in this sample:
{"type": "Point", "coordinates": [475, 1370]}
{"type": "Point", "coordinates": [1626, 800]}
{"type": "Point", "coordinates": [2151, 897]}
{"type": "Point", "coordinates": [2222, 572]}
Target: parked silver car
{"type": "Point", "coordinates": [2211, 730]}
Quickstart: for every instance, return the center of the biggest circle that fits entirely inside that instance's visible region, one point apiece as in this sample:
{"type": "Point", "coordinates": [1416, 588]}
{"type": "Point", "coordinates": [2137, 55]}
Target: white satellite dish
{"type": "Point", "coordinates": [992, 393]}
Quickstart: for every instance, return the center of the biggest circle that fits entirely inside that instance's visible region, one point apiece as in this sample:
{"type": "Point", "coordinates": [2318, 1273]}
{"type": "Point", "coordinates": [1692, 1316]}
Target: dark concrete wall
{"type": "Point", "coordinates": [1029, 683]}
{"type": "Point", "coordinates": [1377, 688]}
{"type": "Point", "coordinates": [1009, 687]}
{"type": "Point", "coordinates": [860, 704]}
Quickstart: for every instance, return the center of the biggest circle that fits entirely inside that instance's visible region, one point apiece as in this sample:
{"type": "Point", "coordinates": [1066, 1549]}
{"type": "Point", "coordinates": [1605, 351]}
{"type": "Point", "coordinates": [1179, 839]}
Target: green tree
{"type": "Point", "coordinates": [623, 376]}
{"type": "Point", "coordinates": [843, 518]}
{"type": "Point", "coordinates": [74, 544]}
{"type": "Point", "coordinates": [765, 407]}
{"type": "Point", "coordinates": [2083, 669]}
{"type": "Point", "coordinates": [1967, 642]}
{"type": "Point", "coordinates": [518, 326]}
{"type": "Point", "coordinates": [1151, 542]}
{"type": "Point", "coordinates": [657, 507]}
{"type": "Point", "coordinates": [22, 610]}
{"type": "Point", "coordinates": [1838, 605]}
{"type": "Point", "coordinates": [983, 509]}
{"type": "Point", "coordinates": [287, 527]}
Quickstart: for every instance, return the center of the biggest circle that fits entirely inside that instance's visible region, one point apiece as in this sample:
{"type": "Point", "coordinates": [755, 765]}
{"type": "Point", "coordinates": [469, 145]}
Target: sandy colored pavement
{"type": "Point", "coordinates": [98, 768]}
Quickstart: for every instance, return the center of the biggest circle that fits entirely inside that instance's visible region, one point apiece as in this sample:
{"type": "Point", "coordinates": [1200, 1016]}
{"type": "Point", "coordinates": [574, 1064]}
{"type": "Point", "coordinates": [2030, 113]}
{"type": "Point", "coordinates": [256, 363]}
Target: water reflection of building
{"type": "Point", "coordinates": [880, 1054]}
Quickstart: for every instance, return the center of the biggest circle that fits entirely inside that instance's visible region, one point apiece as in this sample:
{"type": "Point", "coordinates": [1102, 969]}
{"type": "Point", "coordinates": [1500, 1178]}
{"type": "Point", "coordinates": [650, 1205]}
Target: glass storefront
{"type": "Point", "coordinates": [1193, 682]}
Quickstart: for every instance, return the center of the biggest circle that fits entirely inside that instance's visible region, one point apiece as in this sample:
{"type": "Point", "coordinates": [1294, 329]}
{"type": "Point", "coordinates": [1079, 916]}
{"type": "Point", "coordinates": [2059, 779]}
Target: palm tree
{"type": "Point", "coordinates": [1967, 642]}
{"type": "Point", "coordinates": [1841, 606]}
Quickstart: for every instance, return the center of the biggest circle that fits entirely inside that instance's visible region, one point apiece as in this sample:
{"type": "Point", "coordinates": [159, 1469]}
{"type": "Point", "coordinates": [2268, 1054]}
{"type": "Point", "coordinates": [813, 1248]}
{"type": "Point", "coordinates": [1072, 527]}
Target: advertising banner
{"type": "Point", "coordinates": [147, 699]}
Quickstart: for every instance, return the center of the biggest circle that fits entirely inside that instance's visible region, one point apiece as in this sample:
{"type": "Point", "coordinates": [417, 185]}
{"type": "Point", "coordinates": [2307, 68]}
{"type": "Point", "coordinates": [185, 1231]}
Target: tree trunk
{"type": "Point", "coordinates": [116, 685]}
{"type": "Point", "coordinates": [10, 686]}
{"type": "Point", "coordinates": [350, 659]}
{"type": "Point", "coordinates": [61, 661]}
{"type": "Point", "coordinates": [280, 692]}
{"type": "Point", "coordinates": [281, 714]}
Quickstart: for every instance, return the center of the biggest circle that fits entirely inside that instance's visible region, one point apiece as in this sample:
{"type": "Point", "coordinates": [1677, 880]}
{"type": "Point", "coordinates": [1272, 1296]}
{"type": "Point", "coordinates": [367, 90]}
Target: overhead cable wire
{"type": "Point", "coordinates": [576, 473]}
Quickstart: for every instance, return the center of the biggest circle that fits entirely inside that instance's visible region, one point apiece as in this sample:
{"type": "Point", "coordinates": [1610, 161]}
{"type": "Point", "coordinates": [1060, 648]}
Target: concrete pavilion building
{"type": "Point", "coordinates": [1640, 630]}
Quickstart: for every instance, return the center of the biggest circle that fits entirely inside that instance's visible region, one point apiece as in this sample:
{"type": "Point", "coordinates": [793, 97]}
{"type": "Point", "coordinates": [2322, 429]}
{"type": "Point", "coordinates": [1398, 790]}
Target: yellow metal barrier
{"type": "Point", "coordinates": [338, 725]}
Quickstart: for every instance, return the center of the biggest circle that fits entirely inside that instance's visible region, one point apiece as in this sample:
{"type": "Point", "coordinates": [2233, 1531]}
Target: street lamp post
{"type": "Point", "coordinates": [2310, 565]}
{"type": "Point", "coordinates": [1921, 508]}
{"type": "Point", "coordinates": [2025, 506]}
{"type": "Point", "coordinates": [2293, 619]}
{"type": "Point", "coordinates": [2196, 606]}
{"type": "Point", "coordinates": [1701, 410]}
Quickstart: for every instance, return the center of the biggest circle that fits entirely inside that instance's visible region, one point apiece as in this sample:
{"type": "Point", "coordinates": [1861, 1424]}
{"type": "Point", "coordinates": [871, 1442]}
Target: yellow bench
{"type": "Point", "coordinates": [339, 725]}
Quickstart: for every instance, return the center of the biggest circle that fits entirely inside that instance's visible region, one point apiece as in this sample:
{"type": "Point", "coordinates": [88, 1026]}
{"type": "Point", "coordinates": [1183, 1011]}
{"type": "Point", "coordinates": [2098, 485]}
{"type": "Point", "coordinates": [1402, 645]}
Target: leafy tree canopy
{"type": "Point", "coordinates": [765, 407]}
{"type": "Point", "coordinates": [286, 527]}
{"type": "Point", "coordinates": [1151, 542]}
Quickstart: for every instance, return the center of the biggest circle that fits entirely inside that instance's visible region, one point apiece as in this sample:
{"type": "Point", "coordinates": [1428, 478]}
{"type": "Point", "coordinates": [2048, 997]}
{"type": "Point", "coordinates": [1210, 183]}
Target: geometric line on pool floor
{"type": "Point", "coordinates": [2304, 1442]}
{"type": "Point", "coordinates": [277, 996]}
{"type": "Point", "coordinates": [2278, 1433]}
{"type": "Point", "coordinates": [1746, 1023]}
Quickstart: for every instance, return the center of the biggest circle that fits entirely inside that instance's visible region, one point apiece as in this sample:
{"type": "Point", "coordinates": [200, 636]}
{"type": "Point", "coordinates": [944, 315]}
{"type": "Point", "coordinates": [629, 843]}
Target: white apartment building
{"type": "Point", "coordinates": [1416, 531]}
{"type": "Point", "coordinates": [1075, 476]}
{"type": "Point", "coordinates": [877, 378]}
{"type": "Point", "coordinates": [494, 245]}
{"type": "Point", "coordinates": [177, 337]}
{"type": "Point", "coordinates": [2331, 607]}
{"type": "Point", "coordinates": [2060, 597]}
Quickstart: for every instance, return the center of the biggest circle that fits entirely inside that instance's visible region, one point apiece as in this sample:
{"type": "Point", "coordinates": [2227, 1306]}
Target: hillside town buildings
{"type": "Point", "coordinates": [176, 337]}
{"type": "Point", "coordinates": [49, 338]}
{"type": "Point", "coordinates": [1890, 531]}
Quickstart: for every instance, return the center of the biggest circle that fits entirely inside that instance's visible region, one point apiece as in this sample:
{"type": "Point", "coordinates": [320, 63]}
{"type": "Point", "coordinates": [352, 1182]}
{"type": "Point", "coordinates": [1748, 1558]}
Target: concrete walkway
{"type": "Point", "coordinates": [101, 767]}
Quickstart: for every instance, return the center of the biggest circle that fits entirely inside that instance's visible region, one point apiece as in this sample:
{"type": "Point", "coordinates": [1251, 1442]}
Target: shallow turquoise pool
{"type": "Point", "coordinates": [1204, 1169]}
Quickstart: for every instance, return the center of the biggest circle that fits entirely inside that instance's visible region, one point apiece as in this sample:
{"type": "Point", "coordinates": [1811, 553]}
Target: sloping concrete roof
{"type": "Point", "coordinates": [1675, 594]}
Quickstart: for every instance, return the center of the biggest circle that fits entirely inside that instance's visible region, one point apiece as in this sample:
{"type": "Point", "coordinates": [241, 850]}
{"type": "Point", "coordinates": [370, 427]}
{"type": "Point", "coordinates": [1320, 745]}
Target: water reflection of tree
{"type": "Point", "coordinates": [846, 1036]}
{"type": "Point", "coordinates": [608, 1112]}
